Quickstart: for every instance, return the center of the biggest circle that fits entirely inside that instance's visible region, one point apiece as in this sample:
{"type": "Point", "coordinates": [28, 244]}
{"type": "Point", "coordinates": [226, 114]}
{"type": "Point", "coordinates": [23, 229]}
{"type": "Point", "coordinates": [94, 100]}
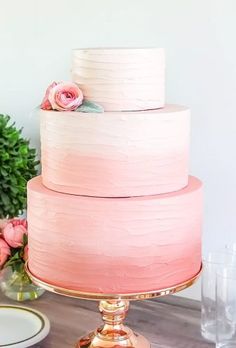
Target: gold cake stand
{"type": "Point", "coordinates": [113, 307]}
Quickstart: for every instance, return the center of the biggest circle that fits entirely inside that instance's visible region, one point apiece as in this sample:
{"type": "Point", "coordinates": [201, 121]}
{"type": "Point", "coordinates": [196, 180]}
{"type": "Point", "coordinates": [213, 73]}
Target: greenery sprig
{"type": "Point", "coordinates": [18, 164]}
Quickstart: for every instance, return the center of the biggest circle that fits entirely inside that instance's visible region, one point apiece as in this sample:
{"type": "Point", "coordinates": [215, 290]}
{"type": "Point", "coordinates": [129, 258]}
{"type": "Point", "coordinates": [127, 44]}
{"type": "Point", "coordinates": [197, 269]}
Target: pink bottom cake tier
{"type": "Point", "coordinates": [114, 245]}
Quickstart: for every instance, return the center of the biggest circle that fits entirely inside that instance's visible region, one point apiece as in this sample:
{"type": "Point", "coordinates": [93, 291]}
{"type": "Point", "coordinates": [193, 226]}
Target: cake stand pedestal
{"type": "Point", "coordinates": [113, 307]}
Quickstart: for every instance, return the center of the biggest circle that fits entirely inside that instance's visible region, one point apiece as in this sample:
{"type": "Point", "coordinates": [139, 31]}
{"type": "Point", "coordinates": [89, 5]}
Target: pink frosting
{"type": "Point", "coordinates": [116, 154]}
{"type": "Point", "coordinates": [111, 245]}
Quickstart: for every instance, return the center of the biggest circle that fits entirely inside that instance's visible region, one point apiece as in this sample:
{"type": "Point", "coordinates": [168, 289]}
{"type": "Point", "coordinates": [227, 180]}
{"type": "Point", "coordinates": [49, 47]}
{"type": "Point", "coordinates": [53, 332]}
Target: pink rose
{"type": "Point", "coordinates": [62, 96]}
{"type": "Point", "coordinates": [46, 105]}
{"type": "Point", "coordinates": [4, 252]}
{"type": "Point", "coordinates": [14, 231]}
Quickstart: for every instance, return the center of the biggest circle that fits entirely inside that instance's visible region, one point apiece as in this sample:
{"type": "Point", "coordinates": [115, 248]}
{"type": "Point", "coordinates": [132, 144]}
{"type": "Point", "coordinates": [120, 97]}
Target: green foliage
{"type": "Point", "coordinates": [18, 164]}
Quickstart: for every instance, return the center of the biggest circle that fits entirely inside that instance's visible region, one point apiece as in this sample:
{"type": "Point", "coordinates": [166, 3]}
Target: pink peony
{"type": "Point", "coordinates": [62, 96]}
{"type": "Point", "coordinates": [3, 223]}
{"type": "Point", "coordinates": [4, 252]}
{"type": "Point", "coordinates": [14, 231]}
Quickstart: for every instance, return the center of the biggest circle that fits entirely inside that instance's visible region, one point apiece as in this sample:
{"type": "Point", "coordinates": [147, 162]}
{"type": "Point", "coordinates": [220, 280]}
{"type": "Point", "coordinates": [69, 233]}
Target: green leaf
{"type": "Point", "coordinates": [13, 137]}
{"type": "Point", "coordinates": [15, 258]}
{"type": "Point", "coordinates": [18, 162]}
{"type": "Point", "coordinates": [89, 106]}
{"type": "Point", "coordinates": [18, 266]}
{"type": "Point", "coordinates": [14, 189]}
{"type": "Point", "coordinates": [13, 179]}
{"type": "Point", "coordinates": [5, 156]}
{"type": "Point", "coordinates": [23, 149]}
{"type": "Point", "coordinates": [5, 198]}
{"type": "Point", "coordinates": [3, 172]}
{"type": "Point", "coordinates": [25, 239]}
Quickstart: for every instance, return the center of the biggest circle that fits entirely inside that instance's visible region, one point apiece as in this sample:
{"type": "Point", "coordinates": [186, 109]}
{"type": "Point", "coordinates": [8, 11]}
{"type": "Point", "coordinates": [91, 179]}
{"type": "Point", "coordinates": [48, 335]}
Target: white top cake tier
{"type": "Point", "coordinates": [121, 79]}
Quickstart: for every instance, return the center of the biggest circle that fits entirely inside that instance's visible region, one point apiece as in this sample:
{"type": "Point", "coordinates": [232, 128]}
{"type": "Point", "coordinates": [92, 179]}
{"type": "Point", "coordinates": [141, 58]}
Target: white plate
{"type": "Point", "coordinates": [21, 327]}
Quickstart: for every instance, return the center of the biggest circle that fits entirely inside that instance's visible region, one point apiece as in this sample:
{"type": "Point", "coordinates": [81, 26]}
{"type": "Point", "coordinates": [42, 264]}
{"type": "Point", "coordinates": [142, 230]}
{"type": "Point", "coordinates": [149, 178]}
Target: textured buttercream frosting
{"type": "Point", "coordinates": [121, 79]}
{"type": "Point", "coordinates": [116, 154]}
{"type": "Point", "coordinates": [114, 245]}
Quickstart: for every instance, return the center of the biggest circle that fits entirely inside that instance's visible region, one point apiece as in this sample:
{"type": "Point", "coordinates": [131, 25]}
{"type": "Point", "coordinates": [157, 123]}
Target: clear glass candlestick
{"type": "Point", "coordinates": [211, 264]}
{"type": "Point", "coordinates": [226, 308]}
{"type": "Point", "coordinates": [231, 248]}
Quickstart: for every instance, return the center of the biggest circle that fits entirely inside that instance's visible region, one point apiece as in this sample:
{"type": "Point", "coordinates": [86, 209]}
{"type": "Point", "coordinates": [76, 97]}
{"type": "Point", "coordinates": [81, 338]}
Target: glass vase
{"type": "Point", "coordinates": [16, 285]}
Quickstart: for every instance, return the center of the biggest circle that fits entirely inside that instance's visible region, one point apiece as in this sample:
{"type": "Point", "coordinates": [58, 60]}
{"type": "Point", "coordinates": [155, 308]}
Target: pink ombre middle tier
{"type": "Point", "coordinates": [114, 245]}
{"type": "Point", "coordinates": [116, 154]}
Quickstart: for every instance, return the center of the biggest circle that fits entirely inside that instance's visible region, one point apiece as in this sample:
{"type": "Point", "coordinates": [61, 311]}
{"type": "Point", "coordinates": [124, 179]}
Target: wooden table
{"type": "Point", "coordinates": [170, 322]}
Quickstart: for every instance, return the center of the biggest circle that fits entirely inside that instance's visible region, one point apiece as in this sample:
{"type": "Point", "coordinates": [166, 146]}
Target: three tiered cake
{"type": "Point", "coordinates": [115, 210]}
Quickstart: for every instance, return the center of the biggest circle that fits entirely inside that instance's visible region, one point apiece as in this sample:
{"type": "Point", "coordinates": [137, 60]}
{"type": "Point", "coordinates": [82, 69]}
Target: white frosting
{"type": "Point", "coordinates": [121, 79]}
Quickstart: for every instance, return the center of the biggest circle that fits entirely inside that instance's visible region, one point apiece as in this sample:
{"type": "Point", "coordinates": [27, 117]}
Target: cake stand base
{"type": "Point", "coordinates": [113, 307]}
{"type": "Point", "coordinates": [113, 334]}
{"type": "Point", "coordinates": [135, 341]}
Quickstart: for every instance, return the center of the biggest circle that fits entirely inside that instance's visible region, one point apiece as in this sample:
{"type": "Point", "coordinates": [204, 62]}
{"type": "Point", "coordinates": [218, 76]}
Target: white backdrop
{"type": "Point", "coordinates": [36, 38]}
